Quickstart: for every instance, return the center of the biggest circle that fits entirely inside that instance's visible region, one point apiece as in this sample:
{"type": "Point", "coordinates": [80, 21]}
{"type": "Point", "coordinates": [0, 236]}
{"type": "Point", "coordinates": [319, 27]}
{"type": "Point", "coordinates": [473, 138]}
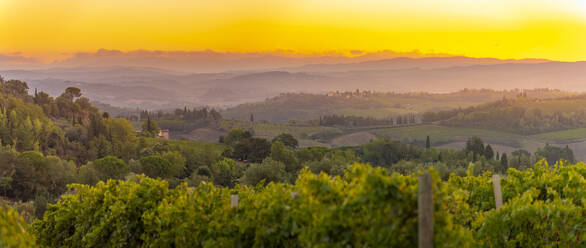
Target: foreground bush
{"type": "Point", "coordinates": [107, 215]}
{"type": "Point", "coordinates": [527, 222]}
{"type": "Point", "coordinates": [367, 207]}
{"type": "Point", "coordinates": [12, 230]}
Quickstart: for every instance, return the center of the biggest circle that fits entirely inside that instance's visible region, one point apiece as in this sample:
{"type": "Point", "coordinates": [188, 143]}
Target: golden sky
{"type": "Point", "coordinates": [51, 29]}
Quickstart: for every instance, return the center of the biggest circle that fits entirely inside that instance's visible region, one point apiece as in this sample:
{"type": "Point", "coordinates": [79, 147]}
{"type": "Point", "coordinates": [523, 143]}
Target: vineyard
{"type": "Point", "coordinates": [367, 207]}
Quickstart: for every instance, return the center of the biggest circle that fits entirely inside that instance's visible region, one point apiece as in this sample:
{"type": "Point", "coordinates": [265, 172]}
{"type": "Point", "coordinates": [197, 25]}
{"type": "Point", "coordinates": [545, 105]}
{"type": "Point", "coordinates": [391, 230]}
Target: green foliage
{"type": "Point", "coordinates": [287, 139]}
{"type": "Point", "coordinates": [519, 115]}
{"type": "Point", "coordinates": [384, 152]}
{"type": "Point", "coordinates": [107, 215]}
{"type": "Point", "coordinates": [333, 162]}
{"type": "Point", "coordinates": [226, 172]}
{"type": "Point", "coordinates": [475, 146]}
{"type": "Point", "coordinates": [268, 171]}
{"type": "Point", "coordinates": [528, 222]}
{"type": "Point", "coordinates": [111, 167]}
{"type": "Point", "coordinates": [366, 207]}
{"type": "Point", "coordinates": [177, 162]}
{"type": "Point", "coordinates": [13, 232]}
{"type": "Point", "coordinates": [312, 153]}
{"type": "Point", "coordinates": [251, 149]}
{"type": "Point", "coordinates": [28, 174]}
{"type": "Point", "coordinates": [285, 156]}
{"type": "Point", "coordinates": [24, 126]}
{"type": "Point", "coordinates": [150, 128]}
{"type": "Point", "coordinates": [504, 160]}
{"type": "Point", "coordinates": [156, 166]}
{"type": "Point", "coordinates": [554, 153]}
{"type": "Point", "coordinates": [196, 153]}
{"type": "Point", "coordinates": [184, 120]}
{"type": "Point", "coordinates": [235, 136]}
{"type": "Point", "coordinates": [488, 152]}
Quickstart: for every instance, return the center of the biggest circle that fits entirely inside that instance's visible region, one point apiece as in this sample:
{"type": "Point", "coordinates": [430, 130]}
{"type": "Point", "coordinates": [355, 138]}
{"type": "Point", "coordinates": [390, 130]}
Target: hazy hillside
{"type": "Point", "coordinates": [149, 87]}
{"type": "Point", "coordinates": [402, 63]}
{"type": "Point", "coordinates": [380, 105]}
{"type": "Point", "coordinates": [522, 115]}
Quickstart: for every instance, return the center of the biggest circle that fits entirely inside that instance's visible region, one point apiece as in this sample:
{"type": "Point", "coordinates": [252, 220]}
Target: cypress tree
{"type": "Point", "coordinates": [488, 152]}
{"type": "Point", "coordinates": [504, 160]}
{"type": "Point", "coordinates": [427, 143]}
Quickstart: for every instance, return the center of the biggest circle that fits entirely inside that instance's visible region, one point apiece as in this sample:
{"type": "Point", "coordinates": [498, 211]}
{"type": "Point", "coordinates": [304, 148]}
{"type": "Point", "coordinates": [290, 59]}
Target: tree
{"type": "Point", "coordinates": [72, 93]}
{"type": "Point", "coordinates": [287, 157]}
{"type": "Point", "coordinates": [251, 118]}
{"type": "Point", "coordinates": [287, 139]}
{"type": "Point", "coordinates": [16, 88]}
{"type": "Point", "coordinates": [235, 135]}
{"type": "Point", "coordinates": [259, 150]}
{"type": "Point", "coordinates": [488, 152]}
{"type": "Point", "coordinates": [30, 176]}
{"type": "Point", "coordinates": [504, 160]}
{"type": "Point", "coordinates": [383, 152]}
{"type": "Point", "coordinates": [150, 128]}
{"type": "Point", "coordinates": [111, 167]}
{"type": "Point", "coordinates": [427, 143]}
{"type": "Point", "coordinates": [156, 166]}
{"type": "Point", "coordinates": [225, 172]}
{"type": "Point", "coordinates": [475, 146]}
{"type": "Point", "coordinates": [177, 162]}
{"type": "Point", "coordinates": [269, 171]}
{"type": "Point", "coordinates": [100, 147]}
{"type": "Point", "coordinates": [553, 154]}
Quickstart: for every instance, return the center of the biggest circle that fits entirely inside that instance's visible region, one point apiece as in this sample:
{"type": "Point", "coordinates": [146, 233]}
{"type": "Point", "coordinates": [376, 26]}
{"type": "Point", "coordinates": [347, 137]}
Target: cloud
{"type": "Point", "coordinates": [206, 61]}
{"type": "Point", "coordinates": [16, 59]}
{"type": "Point", "coordinates": [213, 61]}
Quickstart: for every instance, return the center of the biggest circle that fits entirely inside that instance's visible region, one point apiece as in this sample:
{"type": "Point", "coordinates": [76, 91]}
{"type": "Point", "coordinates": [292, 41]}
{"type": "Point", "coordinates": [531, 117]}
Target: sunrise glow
{"type": "Point", "coordinates": [55, 29]}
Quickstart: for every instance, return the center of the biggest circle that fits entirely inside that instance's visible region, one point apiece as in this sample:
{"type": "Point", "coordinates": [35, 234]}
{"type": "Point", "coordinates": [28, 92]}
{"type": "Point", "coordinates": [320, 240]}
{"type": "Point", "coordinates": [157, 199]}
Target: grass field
{"type": "Point", "coordinates": [564, 135]}
{"type": "Point", "coordinates": [270, 130]}
{"type": "Point", "coordinates": [441, 135]}
{"type": "Point", "coordinates": [454, 138]}
{"type": "Point", "coordinates": [196, 145]}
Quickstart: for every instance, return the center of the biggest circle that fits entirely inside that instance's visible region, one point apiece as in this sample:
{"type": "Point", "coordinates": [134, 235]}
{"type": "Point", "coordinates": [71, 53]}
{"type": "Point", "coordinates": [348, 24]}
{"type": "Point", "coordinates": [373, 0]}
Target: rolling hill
{"type": "Point", "coordinates": [379, 105]}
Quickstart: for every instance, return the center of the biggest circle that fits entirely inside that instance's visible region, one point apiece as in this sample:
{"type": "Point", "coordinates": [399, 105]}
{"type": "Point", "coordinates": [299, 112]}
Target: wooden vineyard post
{"type": "Point", "coordinates": [425, 211]}
{"type": "Point", "coordinates": [234, 201]}
{"type": "Point", "coordinates": [496, 186]}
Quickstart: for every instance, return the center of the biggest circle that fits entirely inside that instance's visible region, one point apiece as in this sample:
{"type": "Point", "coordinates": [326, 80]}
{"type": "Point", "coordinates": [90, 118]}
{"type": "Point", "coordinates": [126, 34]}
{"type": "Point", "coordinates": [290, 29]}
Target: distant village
{"type": "Point", "coordinates": [350, 94]}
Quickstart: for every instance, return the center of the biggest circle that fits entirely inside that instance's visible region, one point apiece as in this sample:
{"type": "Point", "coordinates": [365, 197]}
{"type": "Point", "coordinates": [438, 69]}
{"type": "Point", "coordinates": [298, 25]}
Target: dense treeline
{"type": "Point", "coordinates": [67, 126]}
{"type": "Point", "coordinates": [182, 120]}
{"type": "Point", "coordinates": [542, 207]}
{"type": "Point", "coordinates": [24, 126]}
{"type": "Point", "coordinates": [476, 157]}
{"type": "Point", "coordinates": [519, 115]}
{"type": "Point", "coordinates": [359, 121]}
{"type": "Point", "coordinates": [188, 114]}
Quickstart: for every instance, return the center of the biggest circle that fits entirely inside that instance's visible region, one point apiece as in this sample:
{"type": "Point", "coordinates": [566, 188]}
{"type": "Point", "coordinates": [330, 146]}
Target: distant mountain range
{"type": "Point", "coordinates": [121, 79]}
